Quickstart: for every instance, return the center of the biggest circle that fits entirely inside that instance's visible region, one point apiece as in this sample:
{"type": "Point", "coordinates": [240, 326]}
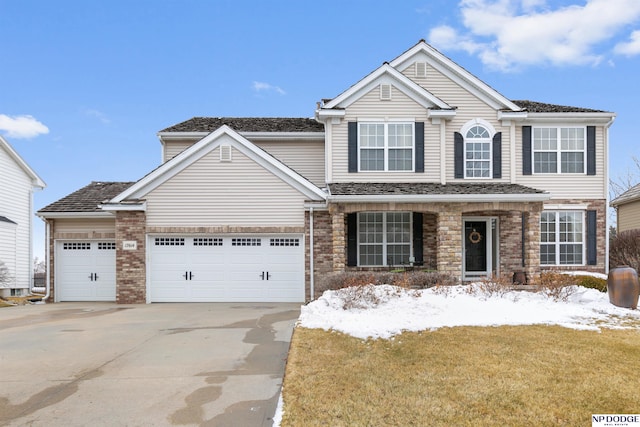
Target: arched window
{"type": "Point", "coordinates": [477, 152]}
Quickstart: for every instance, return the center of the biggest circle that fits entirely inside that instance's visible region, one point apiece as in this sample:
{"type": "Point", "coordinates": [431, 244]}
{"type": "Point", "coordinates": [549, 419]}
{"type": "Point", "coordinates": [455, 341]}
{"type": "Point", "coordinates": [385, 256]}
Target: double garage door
{"type": "Point", "coordinates": [267, 268]}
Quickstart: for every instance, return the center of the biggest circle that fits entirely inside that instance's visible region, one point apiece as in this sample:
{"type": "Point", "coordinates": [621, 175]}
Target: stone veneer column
{"type": "Point", "coordinates": [131, 273]}
{"type": "Point", "coordinates": [449, 230]}
{"type": "Point", "coordinates": [532, 244]}
{"type": "Point", "coordinates": [338, 238]}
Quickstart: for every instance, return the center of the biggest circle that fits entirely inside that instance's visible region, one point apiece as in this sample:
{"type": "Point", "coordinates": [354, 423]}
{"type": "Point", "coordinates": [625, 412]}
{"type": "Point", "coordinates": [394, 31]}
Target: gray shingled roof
{"type": "Point", "coordinates": [631, 195]}
{"type": "Point", "coordinates": [248, 124]}
{"type": "Point", "coordinates": [418, 188]}
{"type": "Point", "coordinates": [541, 107]}
{"type": "Point", "coordinates": [5, 219]}
{"type": "Point", "coordinates": [88, 198]}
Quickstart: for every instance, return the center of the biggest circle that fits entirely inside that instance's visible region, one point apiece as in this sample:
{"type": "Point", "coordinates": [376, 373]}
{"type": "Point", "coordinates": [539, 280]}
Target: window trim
{"type": "Point", "coordinates": [559, 151]}
{"type": "Point", "coordinates": [492, 132]}
{"type": "Point", "coordinates": [384, 243]}
{"type": "Point", "coordinates": [557, 243]}
{"type": "Point", "coordinates": [386, 147]}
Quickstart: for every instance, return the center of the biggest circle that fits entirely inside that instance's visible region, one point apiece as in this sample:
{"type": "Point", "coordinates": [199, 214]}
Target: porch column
{"type": "Point", "coordinates": [338, 238]}
{"type": "Point", "coordinates": [532, 244]}
{"type": "Point", "coordinates": [449, 230]}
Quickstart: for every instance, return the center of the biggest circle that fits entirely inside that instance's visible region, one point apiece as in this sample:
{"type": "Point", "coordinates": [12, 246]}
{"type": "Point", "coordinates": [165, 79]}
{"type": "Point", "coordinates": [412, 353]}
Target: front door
{"type": "Point", "coordinates": [478, 245]}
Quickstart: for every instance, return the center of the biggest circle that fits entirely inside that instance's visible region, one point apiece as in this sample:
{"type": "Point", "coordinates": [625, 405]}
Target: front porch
{"type": "Point", "coordinates": [465, 240]}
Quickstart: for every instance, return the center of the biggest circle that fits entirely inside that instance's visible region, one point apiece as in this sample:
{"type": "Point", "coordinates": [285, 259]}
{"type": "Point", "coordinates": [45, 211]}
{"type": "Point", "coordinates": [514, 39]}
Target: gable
{"type": "Point", "coordinates": [225, 187]}
{"type": "Point", "coordinates": [387, 75]}
{"type": "Point", "coordinates": [222, 136]}
{"type": "Point", "coordinates": [424, 53]}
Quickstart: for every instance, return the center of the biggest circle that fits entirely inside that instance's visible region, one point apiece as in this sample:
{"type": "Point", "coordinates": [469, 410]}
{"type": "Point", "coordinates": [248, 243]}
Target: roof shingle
{"type": "Point", "coordinates": [423, 188]}
{"type": "Point", "coordinates": [248, 124]}
{"type": "Point", "coordinates": [541, 107]}
{"type": "Point", "coordinates": [88, 198]}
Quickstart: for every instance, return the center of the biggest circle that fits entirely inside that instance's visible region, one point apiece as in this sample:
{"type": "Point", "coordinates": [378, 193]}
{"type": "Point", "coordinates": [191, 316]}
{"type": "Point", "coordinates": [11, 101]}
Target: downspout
{"type": "Point", "coordinates": [47, 253]}
{"type": "Point", "coordinates": [311, 267]}
{"type": "Point", "coordinates": [606, 177]}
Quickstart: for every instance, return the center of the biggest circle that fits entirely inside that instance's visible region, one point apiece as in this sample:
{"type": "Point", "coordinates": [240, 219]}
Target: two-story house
{"type": "Point", "coordinates": [17, 184]}
{"type": "Point", "coordinates": [420, 162]}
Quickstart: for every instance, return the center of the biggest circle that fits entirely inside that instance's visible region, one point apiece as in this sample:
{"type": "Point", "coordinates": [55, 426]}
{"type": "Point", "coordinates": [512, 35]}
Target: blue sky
{"type": "Point", "coordinates": [86, 85]}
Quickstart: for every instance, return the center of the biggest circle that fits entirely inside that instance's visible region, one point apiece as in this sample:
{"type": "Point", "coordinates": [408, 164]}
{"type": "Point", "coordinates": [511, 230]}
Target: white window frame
{"type": "Point", "coordinates": [385, 242]}
{"type": "Point", "coordinates": [488, 162]}
{"type": "Point", "coordinates": [386, 146]}
{"type": "Point", "coordinates": [491, 131]}
{"type": "Point", "coordinates": [557, 243]}
{"type": "Point", "coordinates": [558, 150]}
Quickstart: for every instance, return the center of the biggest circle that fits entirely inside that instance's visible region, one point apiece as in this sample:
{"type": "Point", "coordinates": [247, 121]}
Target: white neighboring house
{"type": "Point", "coordinates": [17, 184]}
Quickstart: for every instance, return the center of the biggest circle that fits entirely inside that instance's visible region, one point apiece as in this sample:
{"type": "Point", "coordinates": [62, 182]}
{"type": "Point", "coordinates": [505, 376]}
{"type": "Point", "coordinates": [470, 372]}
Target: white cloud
{"type": "Point", "coordinates": [98, 115]}
{"type": "Point", "coordinates": [262, 87]}
{"type": "Point", "coordinates": [509, 34]}
{"type": "Point", "coordinates": [631, 47]}
{"type": "Point", "coordinates": [21, 127]}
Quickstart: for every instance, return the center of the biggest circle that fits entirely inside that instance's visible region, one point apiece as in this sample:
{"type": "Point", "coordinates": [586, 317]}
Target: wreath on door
{"type": "Point", "coordinates": [475, 237]}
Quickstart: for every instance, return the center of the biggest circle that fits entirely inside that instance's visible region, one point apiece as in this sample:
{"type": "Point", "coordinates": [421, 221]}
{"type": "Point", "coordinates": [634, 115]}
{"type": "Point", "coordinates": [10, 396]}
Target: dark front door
{"type": "Point", "coordinates": [475, 234]}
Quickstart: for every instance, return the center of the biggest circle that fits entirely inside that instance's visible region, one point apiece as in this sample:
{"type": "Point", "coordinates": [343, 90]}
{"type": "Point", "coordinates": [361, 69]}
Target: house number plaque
{"type": "Point", "coordinates": [129, 245]}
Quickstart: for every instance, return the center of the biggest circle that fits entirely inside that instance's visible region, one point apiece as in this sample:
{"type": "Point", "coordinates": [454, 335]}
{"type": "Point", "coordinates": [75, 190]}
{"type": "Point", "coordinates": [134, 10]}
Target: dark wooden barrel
{"type": "Point", "coordinates": [623, 287]}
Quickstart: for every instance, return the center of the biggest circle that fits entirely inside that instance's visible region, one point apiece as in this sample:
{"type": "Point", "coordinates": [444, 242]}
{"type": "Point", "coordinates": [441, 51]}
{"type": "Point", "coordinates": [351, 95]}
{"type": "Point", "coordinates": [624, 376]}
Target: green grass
{"type": "Point", "coordinates": [507, 376]}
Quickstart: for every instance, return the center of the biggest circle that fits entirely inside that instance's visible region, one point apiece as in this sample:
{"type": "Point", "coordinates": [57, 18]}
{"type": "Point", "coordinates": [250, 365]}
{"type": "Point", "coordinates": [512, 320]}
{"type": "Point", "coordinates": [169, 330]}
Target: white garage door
{"type": "Point", "coordinates": [85, 271]}
{"type": "Point", "coordinates": [227, 269]}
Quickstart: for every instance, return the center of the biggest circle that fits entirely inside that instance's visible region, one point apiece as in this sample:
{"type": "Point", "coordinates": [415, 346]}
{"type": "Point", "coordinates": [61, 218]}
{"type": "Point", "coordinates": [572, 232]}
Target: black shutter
{"type": "Point", "coordinates": [591, 150]}
{"type": "Point", "coordinates": [353, 146]}
{"type": "Point", "coordinates": [419, 147]}
{"type": "Point", "coordinates": [458, 154]}
{"type": "Point", "coordinates": [526, 150]}
{"type": "Point", "coordinates": [417, 238]}
{"type": "Point", "coordinates": [352, 239]}
{"type": "Point", "coordinates": [592, 245]}
{"type": "Point", "coordinates": [497, 155]}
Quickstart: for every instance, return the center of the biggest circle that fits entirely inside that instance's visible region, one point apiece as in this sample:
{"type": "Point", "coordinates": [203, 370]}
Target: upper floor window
{"type": "Point", "coordinates": [477, 148]}
{"type": "Point", "coordinates": [386, 146]}
{"type": "Point", "coordinates": [559, 150]}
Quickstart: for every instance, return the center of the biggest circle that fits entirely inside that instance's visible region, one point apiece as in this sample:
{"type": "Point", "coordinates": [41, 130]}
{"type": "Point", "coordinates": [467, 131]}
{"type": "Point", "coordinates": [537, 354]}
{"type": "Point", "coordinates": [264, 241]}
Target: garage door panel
{"type": "Point", "coordinates": [231, 268]}
{"type": "Point", "coordinates": [85, 271]}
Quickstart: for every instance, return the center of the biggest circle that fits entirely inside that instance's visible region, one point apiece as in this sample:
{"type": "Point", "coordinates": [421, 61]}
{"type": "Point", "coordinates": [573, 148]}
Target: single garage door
{"type": "Point", "coordinates": [227, 268]}
{"type": "Point", "coordinates": [85, 271]}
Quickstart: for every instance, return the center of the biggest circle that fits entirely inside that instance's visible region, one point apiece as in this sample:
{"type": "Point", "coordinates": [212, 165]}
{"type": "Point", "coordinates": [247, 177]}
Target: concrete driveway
{"type": "Point", "coordinates": [102, 364]}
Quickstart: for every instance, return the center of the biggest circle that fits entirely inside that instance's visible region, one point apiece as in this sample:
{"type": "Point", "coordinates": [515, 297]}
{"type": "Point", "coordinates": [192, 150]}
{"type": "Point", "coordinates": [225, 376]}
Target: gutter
{"type": "Point", "coordinates": [606, 183]}
{"type": "Point", "coordinates": [47, 256]}
{"type": "Point", "coordinates": [450, 198]}
{"type": "Point", "coordinates": [311, 267]}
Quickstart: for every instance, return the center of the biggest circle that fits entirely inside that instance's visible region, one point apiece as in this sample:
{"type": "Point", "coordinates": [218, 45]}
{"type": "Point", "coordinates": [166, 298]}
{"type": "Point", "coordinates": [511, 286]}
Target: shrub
{"type": "Point", "coordinates": [591, 282]}
{"type": "Point", "coordinates": [405, 279]}
{"type": "Point", "coordinates": [499, 286]}
{"type": "Point", "coordinates": [625, 249]}
{"type": "Point", "coordinates": [556, 286]}
{"type": "Point", "coordinates": [5, 276]}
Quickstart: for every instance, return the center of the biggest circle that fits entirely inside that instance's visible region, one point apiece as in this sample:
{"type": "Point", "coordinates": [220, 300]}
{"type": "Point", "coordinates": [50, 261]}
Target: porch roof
{"type": "Point", "coordinates": [434, 192]}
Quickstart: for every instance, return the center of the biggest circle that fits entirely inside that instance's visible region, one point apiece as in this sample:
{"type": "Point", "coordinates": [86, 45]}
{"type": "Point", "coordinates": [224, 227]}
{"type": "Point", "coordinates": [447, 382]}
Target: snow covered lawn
{"type": "Point", "coordinates": [396, 310]}
{"type": "Point", "coordinates": [567, 369]}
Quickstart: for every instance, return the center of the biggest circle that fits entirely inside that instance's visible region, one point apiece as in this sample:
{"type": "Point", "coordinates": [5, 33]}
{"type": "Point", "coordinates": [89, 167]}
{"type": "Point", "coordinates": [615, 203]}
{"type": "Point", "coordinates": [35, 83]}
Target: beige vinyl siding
{"type": "Point", "coordinates": [468, 107]}
{"type": "Point", "coordinates": [86, 228]}
{"type": "Point", "coordinates": [629, 216]}
{"type": "Point", "coordinates": [567, 186]}
{"type": "Point", "coordinates": [212, 193]}
{"type": "Point", "coordinates": [174, 147]}
{"type": "Point", "coordinates": [371, 107]}
{"type": "Point", "coordinates": [304, 157]}
{"type": "Point", "coordinates": [15, 204]}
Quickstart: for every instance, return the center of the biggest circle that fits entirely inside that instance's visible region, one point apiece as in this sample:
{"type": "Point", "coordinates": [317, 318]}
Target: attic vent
{"type": "Point", "coordinates": [225, 153]}
{"type": "Point", "coordinates": [421, 69]}
{"type": "Point", "coordinates": [385, 92]}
